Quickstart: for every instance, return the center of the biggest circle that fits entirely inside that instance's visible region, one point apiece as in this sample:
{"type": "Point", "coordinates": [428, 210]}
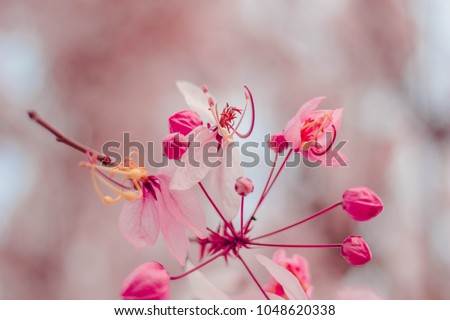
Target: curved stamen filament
{"type": "Point", "coordinates": [248, 97]}
{"type": "Point", "coordinates": [325, 150]}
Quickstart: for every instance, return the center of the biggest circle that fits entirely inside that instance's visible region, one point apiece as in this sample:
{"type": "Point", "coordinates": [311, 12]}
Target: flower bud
{"type": "Point", "coordinates": [149, 281]}
{"type": "Point", "coordinates": [175, 145]}
{"type": "Point", "coordinates": [356, 251]}
{"type": "Point", "coordinates": [278, 142]}
{"type": "Point", "coordinates": [184, 122]}
{"type": "Point", "coordinates": [244, 186]}
{"type": "Point", "coordinates": [361, 203]}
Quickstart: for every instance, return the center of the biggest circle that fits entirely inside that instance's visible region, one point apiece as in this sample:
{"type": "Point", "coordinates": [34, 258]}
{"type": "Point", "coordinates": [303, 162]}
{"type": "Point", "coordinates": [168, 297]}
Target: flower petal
{"type": "Point", "coordinates": [195, 168]}
{"type": "Point", "coordinates": [337, 118]}
{"type": "Point", "coordinates": [223, 180]}
{"type": "Point", "coordinates": [287, 280]}
{"type": "Point", "coordinates": [139, 222]}
{"type": "Point", "coordinates": [174, 233]}
{"type": "Point", "coordinates": [308, 108]}
{"type": "Point", "coordinates": [184, 207]}
{"type": "Point", "coordinates": [203, 288]}
{"type": "Point", "coordinates": [293, 127]}
{"type": "Point", "coordinates": [195, 99]}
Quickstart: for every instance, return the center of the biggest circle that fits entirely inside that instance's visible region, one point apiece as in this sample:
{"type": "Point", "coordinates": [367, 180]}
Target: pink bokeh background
{"type": "Point", "coordinates": [98, 68]}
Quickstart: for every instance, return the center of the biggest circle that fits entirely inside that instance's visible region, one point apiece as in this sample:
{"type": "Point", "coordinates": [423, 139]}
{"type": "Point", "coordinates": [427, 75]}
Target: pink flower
{"type": "Point", "coordinates": [216, 137]}
{"type": "Point", "coordinates": [312, 132]}
{"type": "Point", "coordinates": [355, 250]}
{"type": "Point", "coordinates": [244, 186]}
{"type": "Point", "coordinates": [175, 145]}
{"type": "Point", "coordinates": [149, 281]}
{"type": "Point", "coordinates": [296, 265]}
{"type": "Point", "coordinates": [361, 203]}
{"type": "Point", "coordinates": [161, 209]}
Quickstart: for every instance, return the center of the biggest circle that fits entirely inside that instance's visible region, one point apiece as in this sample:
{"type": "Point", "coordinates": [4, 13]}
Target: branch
{"type": "Point", "coordinates": [105, 160]}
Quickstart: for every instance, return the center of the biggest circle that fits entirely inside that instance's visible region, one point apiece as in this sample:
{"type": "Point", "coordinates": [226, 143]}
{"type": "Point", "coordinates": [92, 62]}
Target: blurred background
{"type": "Point", "coordinates": [99, 68]}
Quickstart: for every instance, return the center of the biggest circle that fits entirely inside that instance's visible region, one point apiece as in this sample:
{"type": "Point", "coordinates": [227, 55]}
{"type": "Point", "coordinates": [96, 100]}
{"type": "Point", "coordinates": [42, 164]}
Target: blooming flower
{"type": "Point", "coordinates": [151, 207]}
{"type": "Point", "coordinates": [149, 281]}
{"type": "Point", "coordinates": [356, 251]}
{"type": "Point", "coordinates": [219, 134]}
{"type": "Point", "coordinates": [298, 266]}
{"type": "Point", "coordinates": [361, 203]}
{"type": "Point", "coordinates": [312, 132]}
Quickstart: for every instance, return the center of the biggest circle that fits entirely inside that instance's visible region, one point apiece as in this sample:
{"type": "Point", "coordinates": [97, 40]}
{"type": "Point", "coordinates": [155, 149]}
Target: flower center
{"type": "Point", "coordinates": [312, 129]}
{"type": "Point", "coordinates": [223, 240]}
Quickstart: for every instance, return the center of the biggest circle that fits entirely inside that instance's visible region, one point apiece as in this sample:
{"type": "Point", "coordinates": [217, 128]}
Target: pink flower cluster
{"type": "Point", "coordinates": [165, 202]}
{"type": "Point", "coordinates": [305, 133]}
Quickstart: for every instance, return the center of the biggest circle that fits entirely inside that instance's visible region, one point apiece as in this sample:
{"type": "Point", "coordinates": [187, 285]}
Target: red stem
{"type": "Point", "coordinates": [227, 223]}
{"type": "Point", "coordinates": [267, 189]}
{"type": "Point", "coordinates": [281, 245]}
{"type": "Point", "coordinates": [253, 277]}
{"type": "Point", "coordinates": [242, 216]}
{"type": "Point", "coordinates": [300, 222]}
{"type": "Point", "coordinates": [199, 266]}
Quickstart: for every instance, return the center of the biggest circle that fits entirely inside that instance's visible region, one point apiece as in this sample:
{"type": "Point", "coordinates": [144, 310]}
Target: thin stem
{"type": "Point", "coordinates": [281, 245]}
{"type": "Point", "coordinates": [279, 171]}
{"type": "Point", "coordinates": [253, 277]}
{"type": "Point", "coordinates": [70, 142]}
{"type": "Point", "coordinates": [300, 222]}
{"type": "Point", "coordinates": [274, 163]}
{"type": "Point", "coordinates": [227, 223]}
{"type": "Point", "coordinates": [268, 187]}
{"type": "Point", "coordinates": [199, 266]}
{"type": "Point", "coordinates": [242, 216]}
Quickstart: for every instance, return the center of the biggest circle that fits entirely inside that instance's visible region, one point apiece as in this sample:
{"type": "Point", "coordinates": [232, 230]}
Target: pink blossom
{"type": "Point", "coordinates": [298, 266]}
{"type": "Point", "coordinates": [161, 209]}
{"type": "Point", "coordinates": [312, 132]}
{"type": "Point", "coordinates": [149, 281]}
{"type": "Point", "coordinates": [356, 251]}
{"type": "Point", "coordinates": [244, 186]}
{"type": "Point", "coordinates": [175, 145]}
{"type": "Point", "coordinates": [361, 203]}
{"type": "Point", "coordinates": [217, 135]}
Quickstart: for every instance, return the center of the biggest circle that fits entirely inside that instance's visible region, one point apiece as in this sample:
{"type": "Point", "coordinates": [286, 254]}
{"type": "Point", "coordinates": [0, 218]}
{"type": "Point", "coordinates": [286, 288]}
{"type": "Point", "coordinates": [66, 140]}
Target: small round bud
{"type": "Point", "coordinates": [278, 142]}
{"type": "Point", "coordinates": [184, 122]}
{"type": "Point", "coordinates": [244, 186]}
{"type": "Point", "coordinates": [361, 203]}
{"type": "Point", "coordinates": [356, 251]}
{"type": "Point", "coordinates": [149, 281]}
{"type": "Point", "coordinates": [175, 145]}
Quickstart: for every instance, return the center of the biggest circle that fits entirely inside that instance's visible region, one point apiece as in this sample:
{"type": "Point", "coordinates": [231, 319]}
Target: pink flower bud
{"type": "Point", "coordinates": [175, 145]}
{"type": "Point", "coordinates": [244, 186]}
{"type": "Point", "coordinates": [361, 203]}
{"type": "Point", "coordinates": [149, 281]}
{"type": "Point", "coordinates": [184, 122]}
{"type": "Point", "coordinates": [356, 251]}
{"type": "Point", "coordinates": [278, 142]}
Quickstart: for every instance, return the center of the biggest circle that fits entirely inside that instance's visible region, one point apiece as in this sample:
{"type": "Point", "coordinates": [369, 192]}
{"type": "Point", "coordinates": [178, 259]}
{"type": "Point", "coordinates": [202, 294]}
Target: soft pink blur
{"type": "Point", "coordinates": [99, 68]}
